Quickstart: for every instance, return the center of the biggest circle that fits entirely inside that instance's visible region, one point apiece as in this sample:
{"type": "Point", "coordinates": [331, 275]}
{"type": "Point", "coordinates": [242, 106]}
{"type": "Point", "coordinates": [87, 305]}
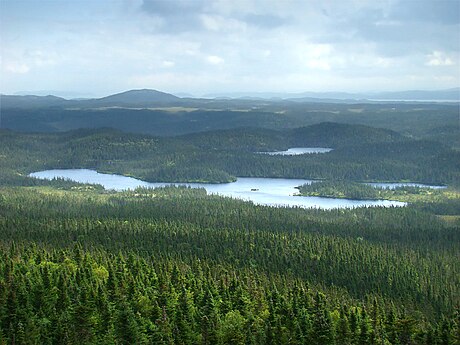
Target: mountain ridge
{"type": "Point", "coordinates": [139, 95]}
{"type": "Point", "coordinates": [405, 95]}
{"type": "Point", "coordinates": [151, 97]}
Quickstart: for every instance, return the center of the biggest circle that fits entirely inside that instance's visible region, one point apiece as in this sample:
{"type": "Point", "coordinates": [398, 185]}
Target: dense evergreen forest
{"type": "Point", "coordinates": [80, 264]}
{"type": "Point", "coordinates": [360, 153]}
{"type": "Point", "coordinates": [173, 265]}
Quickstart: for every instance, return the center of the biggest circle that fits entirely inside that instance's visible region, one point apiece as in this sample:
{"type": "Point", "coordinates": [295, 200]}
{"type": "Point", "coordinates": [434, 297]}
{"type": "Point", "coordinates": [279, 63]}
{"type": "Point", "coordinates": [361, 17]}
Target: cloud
{"type": "Point", "coordinates": [177, 15]}
{"type": "Point", "coordinates": [438, 58]}
{"type": "Point", "coordinates": [229, 45]}
{"type": "Point", "coordinates": [168, 64]}
{"type": "Point", "coordinates": [215, 60]}
{"type": "Point", "coordinates": [318, 64]}
{"type": "Point", "coordinates": [383, 62]}
{"type": "Point", "coordinates": [395, 27]}
{"type": "Point", "coordinates": [443, 12]}
{"type": "Point", "coordinates": [39, 58]}
{"type": "Point", "coordinates": [318, 56]}
{"type": "Point", "coordinates": [17, 68]}
{"type": "Point", "coordinates": [220, 23]}
{"type": "Point", "coordinates": [171, 8]}
{"type": "Point", "coordinates": [265, 21]}
{"type": "Point", "coordinates": [197, 15]}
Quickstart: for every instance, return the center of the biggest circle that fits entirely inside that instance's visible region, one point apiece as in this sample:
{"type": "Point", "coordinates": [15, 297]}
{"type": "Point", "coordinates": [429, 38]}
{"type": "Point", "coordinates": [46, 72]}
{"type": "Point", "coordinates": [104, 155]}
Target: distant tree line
{"type": "Point", "coordinates": [360, 154]}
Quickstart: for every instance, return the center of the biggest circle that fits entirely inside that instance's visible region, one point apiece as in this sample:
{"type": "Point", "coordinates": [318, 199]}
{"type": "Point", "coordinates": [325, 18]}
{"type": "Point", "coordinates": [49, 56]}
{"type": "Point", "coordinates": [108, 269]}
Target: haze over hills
{"type": "Point", "coordinates": [158, 113]}
{"type": "Point", "coordinates": [452, 94]}
{"type": "Point", "coordinates": [151, 98]}
{"type": "Point", "coordinates": [30, 101]}
{"type": "Point", "coordinates": [131, 98]}
{"type": "Point", "coordinates": [448, 94]}
{"type": "Point", "coordinates": [67, 94]}
{"type": "Point", "coordinates": [135, 97]}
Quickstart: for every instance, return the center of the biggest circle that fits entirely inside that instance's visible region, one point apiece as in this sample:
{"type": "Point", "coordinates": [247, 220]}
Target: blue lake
{"type": "Point", "coordinates": [261, 191]}
{"type": "Point", "coordinates": [294, 151]}
{"type": "Point", "coordinates": [403, 184]}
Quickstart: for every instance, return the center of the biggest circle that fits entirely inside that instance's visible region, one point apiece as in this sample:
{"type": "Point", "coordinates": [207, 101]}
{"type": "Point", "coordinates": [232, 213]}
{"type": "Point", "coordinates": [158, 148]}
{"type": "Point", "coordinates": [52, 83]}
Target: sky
{"type": "Point", "coordinates": [99, 47]}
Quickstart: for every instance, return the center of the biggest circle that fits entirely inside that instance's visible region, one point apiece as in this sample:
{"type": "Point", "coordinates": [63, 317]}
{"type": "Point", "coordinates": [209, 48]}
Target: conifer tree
{"type": "Point", "coordinates": [322, 325]}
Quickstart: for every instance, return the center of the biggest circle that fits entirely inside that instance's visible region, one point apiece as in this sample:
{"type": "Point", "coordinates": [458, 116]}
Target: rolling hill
{"type": "Point", "coordinates": [142, 98]}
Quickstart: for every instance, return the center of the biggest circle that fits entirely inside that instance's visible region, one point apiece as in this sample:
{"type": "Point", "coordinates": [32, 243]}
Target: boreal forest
{"type": "Point", "coordinates": [84, 264]}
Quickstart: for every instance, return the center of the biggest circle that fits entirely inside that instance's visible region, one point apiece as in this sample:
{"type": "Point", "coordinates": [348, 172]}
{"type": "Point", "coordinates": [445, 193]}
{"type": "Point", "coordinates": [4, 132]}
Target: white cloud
{"type": "Point", "coordinates": [226, 45]}
{"type": "Point", "coordinates": [219, 23]}
{"type": "Point", "coordinates": [444, 78]}
{"type": "Point", "coordinates": [383, 62]}
{"type": "Point", "coordinates": [215, 60]}
{"type": "Point", "coordinates": [39, 58]}
{"type": "Point", "coordinates": [18, 68]}
{"type": "Point", "coordinates": [168, 64]}
{"type": "Point", "coordinates": [318, 64]}
{"type": "Point", "coordinates": [438, 58]}
{"type": "Point", "coordinates": [318, 56]}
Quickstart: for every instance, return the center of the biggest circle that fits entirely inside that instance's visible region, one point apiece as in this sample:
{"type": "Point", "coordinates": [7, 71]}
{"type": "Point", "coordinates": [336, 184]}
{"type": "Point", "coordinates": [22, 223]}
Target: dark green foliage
{"type": "Point", "coordinates": [340, 189]}
{"type": "Point", "coordinates": [97, 316]}
{"type": "Point", "coordinates": [369, 155]}
{"type": "Point", "coordinates": [330, 134]}
{"type": "Point", "coordinates": [175, 266]}
{"type": "Point", "coordinates": [81, 265]}
{"type": "Point", "coordinates": [188, 116]}
{"type": "Point", "coordinates": [361, 191]}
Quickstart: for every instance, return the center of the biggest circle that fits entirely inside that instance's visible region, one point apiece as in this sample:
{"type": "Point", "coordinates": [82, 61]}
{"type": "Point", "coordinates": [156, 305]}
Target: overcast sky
{"type": "Point", "coordinates": [98, 47]}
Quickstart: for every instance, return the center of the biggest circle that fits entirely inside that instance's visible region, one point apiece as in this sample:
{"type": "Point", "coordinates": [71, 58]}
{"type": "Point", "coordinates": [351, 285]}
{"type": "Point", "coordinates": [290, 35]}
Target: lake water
{"type": "Point", "coordinates": [403, 184]}
{"type": "Point", "coordinates": [261, 191]}
{"type": "Point", "coordinates": [294, 151]}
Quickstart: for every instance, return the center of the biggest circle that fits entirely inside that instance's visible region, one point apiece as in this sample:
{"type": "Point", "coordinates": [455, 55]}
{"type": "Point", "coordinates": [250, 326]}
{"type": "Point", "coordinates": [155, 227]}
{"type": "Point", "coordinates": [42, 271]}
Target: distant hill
{"type": "Point", "coordinates": [331, 134]}
{"type": "Point", "coordinates": [313, 96]}
{"type": "Point", "coordinates": [133, 98]}
{"type": "Point", "coordinates": [159, 113]}
{"type": "Point", "coordinates": [29, 101]}
{"type": "Point", "coordinates": [309, 96]}
{"type": "Point", "coordinates": [147, 98]}
{"type": "Point", "coordinates": [144, 97]}
{"type": "Point", "coordinates": [67, 94]}
{"type": "Point", "coordinates": [242, 138]}
{"type": "Point", "coordinates": [198, 116]}
{"type": "Point", "coordinates": [448, 95]}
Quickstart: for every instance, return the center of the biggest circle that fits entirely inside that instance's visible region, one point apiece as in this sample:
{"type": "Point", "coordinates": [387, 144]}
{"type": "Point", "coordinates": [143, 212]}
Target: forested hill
{"type": "Point", "coordinates": [364, 154]}
{"type": "Point", "coordinates": [13, 101]}
{"type": "Point", "coordinates": [161, 114]}
{"type": "Point", "coordinates": [337, 135]}
{"type": "Point", "coordinates": [325, 134]}
{"type": "Point", "coordinates": [134, 98]}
